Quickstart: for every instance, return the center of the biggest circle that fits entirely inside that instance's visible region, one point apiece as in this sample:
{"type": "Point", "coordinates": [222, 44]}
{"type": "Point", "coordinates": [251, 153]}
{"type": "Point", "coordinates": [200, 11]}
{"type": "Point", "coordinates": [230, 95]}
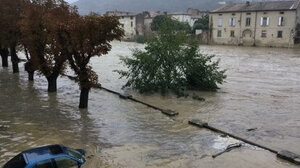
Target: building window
{"type": "Point", "coordinates": [264, 33]}
{"type": "Point", "coordinates": [233, 14]}
{"type": "Point", "coordinates": [131, 24]}
{"type": "Point", "coordinates": [220, 22]}
{"type": "Point", "coordinates": [232, 22]}
{"type": "Point", "coordinates": [281, 21]}
{"type": "Point", "coordinates": [279, 34]}
{"type": "Point", "coordinates": [265, 21]}
{"type": "Point", "coordinates": [220, 14]}
{"type": "Point", "coordinates": [248, 21]}
{"type": "Point", "coordinates": [219, 33]}
{"type": "Point", "coordinates": [131, 17]}
{"type": "Point", "coordinates": [248, 13]}
{"type": "Point", "coordinates": [281, 13]}
{"type": "Point", "coordinates": [265, 13]}
{"type": "Point", "coordinates": [232, 33]}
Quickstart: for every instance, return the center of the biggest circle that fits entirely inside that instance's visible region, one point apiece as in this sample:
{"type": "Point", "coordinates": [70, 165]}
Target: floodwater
{"type": "Point", "coordinates": [262, 91]}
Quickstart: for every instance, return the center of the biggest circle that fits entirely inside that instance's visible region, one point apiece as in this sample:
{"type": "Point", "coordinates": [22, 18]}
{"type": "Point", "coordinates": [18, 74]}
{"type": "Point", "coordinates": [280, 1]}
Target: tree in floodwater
{"type": "Point", "coordinates": [33, 35]}
{"type": "Point", "coordinates": [90, 38]}
{"type": "Point", "coordinates": [4, 55]}
{"type": "Point", "coordinates": [171, 62]}
{"type": "Point", "coordinates": [45, 33]}
{"type": "Point", "coordinates": [9, 30]}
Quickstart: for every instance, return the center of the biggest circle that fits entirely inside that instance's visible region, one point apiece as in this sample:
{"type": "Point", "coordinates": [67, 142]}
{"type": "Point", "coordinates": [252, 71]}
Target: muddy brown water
{"type": "Point", "coordinates": [262, 91]}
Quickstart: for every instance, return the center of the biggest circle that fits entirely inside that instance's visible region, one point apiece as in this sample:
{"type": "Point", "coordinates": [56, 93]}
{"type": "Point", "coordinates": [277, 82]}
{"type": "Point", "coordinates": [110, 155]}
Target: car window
{"type": "Point", "coordinates": [74, 153]}
{"type": "Point", "coordinates": [16, 162]}
{"type": "Point", "coordinates": [66, 163]}
{"type": "Point", "coordinates": [44, 164]}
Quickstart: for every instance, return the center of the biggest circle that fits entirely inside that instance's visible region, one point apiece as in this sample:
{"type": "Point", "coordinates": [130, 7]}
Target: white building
{"type": "Point", "coordinates": [128, 23]}
{"type": "Point", "coordinates": [183, 17]}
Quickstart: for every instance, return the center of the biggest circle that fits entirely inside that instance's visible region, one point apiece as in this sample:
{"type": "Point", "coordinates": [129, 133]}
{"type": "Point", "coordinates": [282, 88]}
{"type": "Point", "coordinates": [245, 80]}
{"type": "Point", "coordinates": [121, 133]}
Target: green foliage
{"type": "Point", "coordinates": [202, 23]}
{"type": "Point", "coordinates": [171, 62]}
{"type": "Point", "coordinates": [161, 20]}
{"type": "Point", "coordinates": [141, 39]}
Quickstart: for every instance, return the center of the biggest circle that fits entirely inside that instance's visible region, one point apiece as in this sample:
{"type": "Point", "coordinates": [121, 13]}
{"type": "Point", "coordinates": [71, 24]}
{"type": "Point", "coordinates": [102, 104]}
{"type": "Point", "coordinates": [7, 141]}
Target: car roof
{"type": "Point", "coordinates": [43, 153]}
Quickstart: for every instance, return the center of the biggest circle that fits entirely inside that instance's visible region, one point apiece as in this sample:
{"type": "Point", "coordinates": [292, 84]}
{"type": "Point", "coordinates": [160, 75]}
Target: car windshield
{"type": "Point", "coordinates": [74, 153]}
{"type": "Point", "coordinates": [16, 162]}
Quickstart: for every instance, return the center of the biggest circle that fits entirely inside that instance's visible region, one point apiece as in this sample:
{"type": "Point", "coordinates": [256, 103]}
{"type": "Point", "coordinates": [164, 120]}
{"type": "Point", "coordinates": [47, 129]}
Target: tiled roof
{"type": "Point", "coordinates": [258, 6]}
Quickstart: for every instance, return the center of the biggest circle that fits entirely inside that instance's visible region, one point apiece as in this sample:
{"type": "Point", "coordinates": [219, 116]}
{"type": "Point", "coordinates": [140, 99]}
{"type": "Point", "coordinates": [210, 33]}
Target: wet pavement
{"type": "Point", "coordinates": [262, 91]}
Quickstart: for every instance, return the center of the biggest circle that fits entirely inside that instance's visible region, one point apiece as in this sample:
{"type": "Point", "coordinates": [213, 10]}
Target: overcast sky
{"type": "Point", "coordinates": [70, 1]}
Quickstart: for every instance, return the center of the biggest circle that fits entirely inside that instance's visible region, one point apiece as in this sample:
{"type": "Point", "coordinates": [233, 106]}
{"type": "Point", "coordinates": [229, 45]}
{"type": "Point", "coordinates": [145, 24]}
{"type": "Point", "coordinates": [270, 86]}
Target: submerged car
{"type": "Point", "coordinates": [51, 156]}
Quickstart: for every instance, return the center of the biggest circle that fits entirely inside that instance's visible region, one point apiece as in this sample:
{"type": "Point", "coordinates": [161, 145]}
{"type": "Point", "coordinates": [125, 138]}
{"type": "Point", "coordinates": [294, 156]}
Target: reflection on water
{"type": "Point", "coordinates": [262, 91]}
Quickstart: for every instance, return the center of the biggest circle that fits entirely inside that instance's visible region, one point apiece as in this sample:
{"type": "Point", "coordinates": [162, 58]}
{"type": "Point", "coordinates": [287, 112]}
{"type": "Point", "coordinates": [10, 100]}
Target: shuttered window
{"type": "Point", "coordinates": [264, 21]}
{"type": "Point", "coordinates": [232, 22]}
{"type": "Point", "coordinates": [280, 21]}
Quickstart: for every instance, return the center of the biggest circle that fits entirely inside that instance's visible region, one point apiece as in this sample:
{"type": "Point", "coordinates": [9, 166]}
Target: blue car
{"type": "Point", "coordinates": [52, 156]}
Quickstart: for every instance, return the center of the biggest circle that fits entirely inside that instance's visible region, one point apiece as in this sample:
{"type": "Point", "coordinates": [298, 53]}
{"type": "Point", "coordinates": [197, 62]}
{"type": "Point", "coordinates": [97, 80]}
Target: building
{"type": "Point", "coordinates": [128, 23]}
{"type": "Point", "coordinates": [196, 14]}
{"type": "Point", "coordinates": [182, 17]}
{"type": "Point", "coordinates": [140, 23]}
{"type": "Point", "coordinates": [148, 19]}
{"type": "Point", "coordinates": [267, 23]}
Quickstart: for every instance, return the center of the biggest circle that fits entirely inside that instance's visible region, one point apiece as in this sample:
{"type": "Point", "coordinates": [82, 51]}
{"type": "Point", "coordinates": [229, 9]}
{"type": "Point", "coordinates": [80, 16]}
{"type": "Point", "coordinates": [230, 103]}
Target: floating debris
{"type": "Point", "coordinates": [228, 149]}
{"type": "Point", "coordinates": [252, 129]}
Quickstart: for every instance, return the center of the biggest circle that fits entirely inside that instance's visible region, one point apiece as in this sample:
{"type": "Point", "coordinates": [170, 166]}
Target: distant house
{"type": "Point", "coordinates": [140, 23]}
{"type": "Point", "coordinates": [196, 14]}
{"type": "Point", "coordinates": [267, 23]}
{"type": "Point", "coordinates": [128, 23]}
{"type": "Point", "coordinates": [190, 16]}
{"type": "Point", "coordinates": [148, 19]}
{"type": "Point", "coordinates": [182, 17]}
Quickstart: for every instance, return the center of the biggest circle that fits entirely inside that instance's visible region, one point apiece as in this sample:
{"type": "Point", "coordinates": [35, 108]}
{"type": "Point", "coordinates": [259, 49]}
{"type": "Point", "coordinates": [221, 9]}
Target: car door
{"type": "Point", "coordinates": [65, 162]}
{"type": "Point", "coordinates": [45, 164]}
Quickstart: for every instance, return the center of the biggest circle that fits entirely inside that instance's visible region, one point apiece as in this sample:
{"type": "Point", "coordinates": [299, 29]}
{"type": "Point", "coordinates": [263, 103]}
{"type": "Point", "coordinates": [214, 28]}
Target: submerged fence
{"type": "Point", "coordinates": [285, 155]}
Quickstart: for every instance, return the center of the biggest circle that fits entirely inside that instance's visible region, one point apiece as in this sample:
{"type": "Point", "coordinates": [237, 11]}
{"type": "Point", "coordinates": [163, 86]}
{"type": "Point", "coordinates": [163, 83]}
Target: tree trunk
{"type": "Point", "coordinates": [14, 59]}
{"type": "Point", "coordinates": [30, 71]}
{"type": "Point", "coordinates": [84, 98]}
{"type": "Point", "coordinates": [4, 56]}
{"type": "Point", "coordinates": [52, 83]}
{"type": "Point", "coordinates": [31, 75]}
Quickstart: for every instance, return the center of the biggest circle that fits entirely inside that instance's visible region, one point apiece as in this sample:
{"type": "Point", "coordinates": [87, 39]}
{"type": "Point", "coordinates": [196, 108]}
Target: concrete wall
{"type": "Point", "coordinates": [129, 25]}
{"type": "Point", "coordinates": [252, 35]}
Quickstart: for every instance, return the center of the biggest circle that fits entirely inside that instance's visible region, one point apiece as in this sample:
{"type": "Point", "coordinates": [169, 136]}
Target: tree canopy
{"type": "Point", "coordinates": [89, 38]}
{"type": "Point", "coordinates": [202, 23]}
{"type": "Point", "coordinates": [53, 36]}
{"type": "Point", "coordinates": [171, 62]}
{"type": "Point", "coordinates": [9, 29]}
{"type": "Point", "coordinates": [161, 20]}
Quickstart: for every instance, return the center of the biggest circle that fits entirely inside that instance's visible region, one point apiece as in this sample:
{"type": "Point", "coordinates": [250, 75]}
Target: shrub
{"type": "Point", "coordinates": [171, 62]}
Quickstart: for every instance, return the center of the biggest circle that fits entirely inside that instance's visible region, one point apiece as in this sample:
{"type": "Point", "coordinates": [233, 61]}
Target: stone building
{"type": "Point", "coordinates": [267, 23]}
{"type": "Point", "coordinates": [148, 19]}
{"type": "Point", "coordinates": [128, 23]}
